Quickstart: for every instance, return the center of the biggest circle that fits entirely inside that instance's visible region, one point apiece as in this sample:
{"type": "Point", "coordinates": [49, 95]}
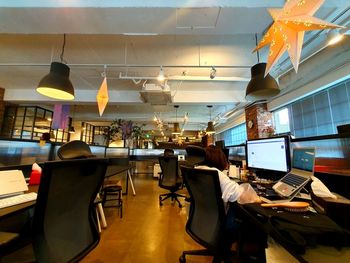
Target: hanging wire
{"type": "Point", "coordinates": [256, 44]}
{"type": "Point", "coordinates": [104, 74]}
{"type": "Point", "coordinates": [63, 46]}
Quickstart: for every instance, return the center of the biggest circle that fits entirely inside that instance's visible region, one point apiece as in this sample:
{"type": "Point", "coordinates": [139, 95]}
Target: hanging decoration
{"type": "Point", "coordinates": [60, 116]}
{"type": "Point", "coordinates": [287, 31]}
{"type": "Point", "coordinates": [102, 95]}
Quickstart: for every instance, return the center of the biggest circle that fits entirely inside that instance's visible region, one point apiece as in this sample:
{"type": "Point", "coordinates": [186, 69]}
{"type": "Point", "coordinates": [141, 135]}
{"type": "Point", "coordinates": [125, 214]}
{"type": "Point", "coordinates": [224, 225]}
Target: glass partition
{"type": "Point", "coordinates": [99, 151]}
{"type": "Point", "coordinates": [117, 151]}
{"type": "Point", "coordinates": [23, 152]}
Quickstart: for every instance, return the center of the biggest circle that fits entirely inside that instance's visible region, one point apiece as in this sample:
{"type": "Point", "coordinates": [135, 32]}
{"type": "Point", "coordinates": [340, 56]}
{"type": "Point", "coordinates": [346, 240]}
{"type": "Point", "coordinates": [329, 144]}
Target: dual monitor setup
{"type": "Point", "coordinates": [273, 154]}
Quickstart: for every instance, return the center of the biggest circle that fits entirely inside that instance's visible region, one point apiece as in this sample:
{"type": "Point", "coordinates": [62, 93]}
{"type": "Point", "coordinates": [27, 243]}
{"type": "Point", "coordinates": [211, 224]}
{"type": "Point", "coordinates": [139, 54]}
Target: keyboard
{"type": "Point", "coordinates": [17, 199]}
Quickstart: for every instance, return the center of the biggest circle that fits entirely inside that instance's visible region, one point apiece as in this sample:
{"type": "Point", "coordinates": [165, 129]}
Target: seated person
{"type": "Point", "coordinates": [231, 191]}
{"type": "Point", "coordinates": [168, 152]}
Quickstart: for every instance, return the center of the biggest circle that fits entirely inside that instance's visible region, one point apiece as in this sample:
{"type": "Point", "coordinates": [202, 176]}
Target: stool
{"type": "Point", "coordinates": [114, 190]}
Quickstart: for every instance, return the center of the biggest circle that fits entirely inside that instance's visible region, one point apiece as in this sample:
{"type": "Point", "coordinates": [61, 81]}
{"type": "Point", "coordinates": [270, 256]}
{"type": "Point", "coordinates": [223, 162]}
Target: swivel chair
{"type": "Point", "coordinates": [64, 227]}
{"type": "Point", "coordinates": [79, 150]}
{"type": "Point", "coordinates": [169, 179]}
{"type": "Point", "coordinates": [207, 219]}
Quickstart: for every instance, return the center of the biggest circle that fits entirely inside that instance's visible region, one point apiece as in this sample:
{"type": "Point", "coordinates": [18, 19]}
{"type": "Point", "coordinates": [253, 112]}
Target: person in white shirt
{"type": "Point", "coordinates": [215, 159]}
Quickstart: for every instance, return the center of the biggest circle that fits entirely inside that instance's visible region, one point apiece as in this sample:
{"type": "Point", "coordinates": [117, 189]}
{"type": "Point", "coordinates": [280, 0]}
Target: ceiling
{"type": "Point", "coordinates": [130, 40]}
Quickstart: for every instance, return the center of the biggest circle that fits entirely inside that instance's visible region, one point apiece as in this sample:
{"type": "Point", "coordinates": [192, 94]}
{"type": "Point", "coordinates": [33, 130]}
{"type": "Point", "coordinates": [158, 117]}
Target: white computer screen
{"type": "Point", "coordinates": [269, 154]}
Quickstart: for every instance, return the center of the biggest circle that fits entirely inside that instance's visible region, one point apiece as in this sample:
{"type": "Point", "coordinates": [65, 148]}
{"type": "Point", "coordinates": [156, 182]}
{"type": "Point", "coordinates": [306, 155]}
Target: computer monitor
{"type": "Point", "coordinates": [269, 154]}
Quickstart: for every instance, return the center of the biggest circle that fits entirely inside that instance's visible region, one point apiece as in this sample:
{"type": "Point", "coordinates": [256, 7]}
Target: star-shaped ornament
{"type": "Point", "coordinates": [102, 96]}
{"type": "Point", "coordinates": [287, 31]}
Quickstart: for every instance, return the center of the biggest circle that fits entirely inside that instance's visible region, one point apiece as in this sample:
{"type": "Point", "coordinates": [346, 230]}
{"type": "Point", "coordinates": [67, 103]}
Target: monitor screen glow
{"type": "Point", "coordinates": [269, 154]}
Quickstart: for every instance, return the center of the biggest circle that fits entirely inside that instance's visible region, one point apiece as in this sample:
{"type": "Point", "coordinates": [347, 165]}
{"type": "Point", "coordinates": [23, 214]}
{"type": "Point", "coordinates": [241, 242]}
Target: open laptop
{"type": "Point", "coordinates": [292, 183]}
{"type": "Point", "coordinates": [12, 182]}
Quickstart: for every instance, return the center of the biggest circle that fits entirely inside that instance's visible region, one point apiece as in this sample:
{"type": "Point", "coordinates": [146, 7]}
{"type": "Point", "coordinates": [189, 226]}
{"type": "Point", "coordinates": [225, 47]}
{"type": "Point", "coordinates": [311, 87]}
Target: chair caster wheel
{"type": "Point", "coordinates": [182, 259]}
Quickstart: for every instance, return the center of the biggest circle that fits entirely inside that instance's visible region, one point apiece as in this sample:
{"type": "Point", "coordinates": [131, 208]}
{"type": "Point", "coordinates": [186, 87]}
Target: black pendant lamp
{"type": "Point", "coordinates": [176, 129]}
{"type": "Point", "coordinates": [56, 84]}
{"type": "Point", "coordinates": [210, 128]}
{"type": "Point", "coordinates": [260, 87]}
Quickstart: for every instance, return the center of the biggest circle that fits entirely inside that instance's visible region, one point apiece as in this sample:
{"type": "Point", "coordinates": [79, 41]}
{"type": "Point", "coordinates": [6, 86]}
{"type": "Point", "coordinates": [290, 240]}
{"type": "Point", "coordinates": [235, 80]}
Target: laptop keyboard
{"type": "Point", "coordinates": [293, 179]}
{"type": "Point", "coordinates": [17, 199]}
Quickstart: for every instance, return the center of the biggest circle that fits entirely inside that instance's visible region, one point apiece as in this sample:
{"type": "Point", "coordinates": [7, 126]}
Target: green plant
{"type": "Point", "coordinates": [123, 129]}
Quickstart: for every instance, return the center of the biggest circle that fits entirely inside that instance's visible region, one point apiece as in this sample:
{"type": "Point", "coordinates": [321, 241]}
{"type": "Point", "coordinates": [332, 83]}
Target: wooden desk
{"type": "Point", "coordinates": [117, 169]}
{"type": "Point", "coordinates": [7, 211]}
{"type": "Point", "coordinates": [316, 254]}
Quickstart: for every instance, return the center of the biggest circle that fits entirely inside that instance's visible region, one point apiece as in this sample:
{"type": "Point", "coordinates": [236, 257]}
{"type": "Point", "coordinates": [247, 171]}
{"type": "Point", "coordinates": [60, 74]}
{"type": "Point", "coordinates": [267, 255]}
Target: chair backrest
{"type": "Point", "coordinates": [195, 155]}
{"type": "Point", "coordinates": [169, 152]}
{"type": "Point", "coordinates": [64, 223]}
{"type": "Point", "coordinates": [74, 150]}
{"type": "Point", "coordinates": [207, 219]}
{"type": "Point", "coordinates": [170, 172]}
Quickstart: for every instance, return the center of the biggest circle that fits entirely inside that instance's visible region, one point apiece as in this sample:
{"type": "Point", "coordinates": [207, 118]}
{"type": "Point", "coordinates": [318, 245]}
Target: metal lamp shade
{"type": "Point", "coordinates": [260, 87]}
{"type": "Point", "coordinates": [176, 128]}
{"type": "Point", "coordinates": [56, 84]}
{"type": "Point", "coordinates": [71, 129]}
{"type": "Point", "coordinates": [210, 129]}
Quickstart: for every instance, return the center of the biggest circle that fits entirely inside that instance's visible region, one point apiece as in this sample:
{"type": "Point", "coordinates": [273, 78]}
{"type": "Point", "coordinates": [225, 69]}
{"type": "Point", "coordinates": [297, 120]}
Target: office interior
{"type": "Point", "coordinates": [204, 52]}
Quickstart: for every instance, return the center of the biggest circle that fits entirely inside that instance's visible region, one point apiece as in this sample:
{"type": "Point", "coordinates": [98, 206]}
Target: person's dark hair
{"type": "Point", "coordinates": [168, 152]}
{"type": "Point", "coordinates": [215, 157]}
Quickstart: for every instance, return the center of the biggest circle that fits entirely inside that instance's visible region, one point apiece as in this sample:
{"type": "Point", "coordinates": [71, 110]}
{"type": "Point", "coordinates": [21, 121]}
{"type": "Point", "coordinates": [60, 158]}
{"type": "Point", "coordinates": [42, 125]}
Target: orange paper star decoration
{"type": "Point", "coordinates": [287, 31]}
{"type": "Point", "coordinates": [102, 97]}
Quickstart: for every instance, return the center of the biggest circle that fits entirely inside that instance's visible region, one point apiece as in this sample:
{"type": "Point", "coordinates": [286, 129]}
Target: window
{"type": "Point", "coordinates": [234, 136]}
{"type": "Point", "coordinates": [317, 114]}
{"type": "Point", "coordinates": [281, 121]}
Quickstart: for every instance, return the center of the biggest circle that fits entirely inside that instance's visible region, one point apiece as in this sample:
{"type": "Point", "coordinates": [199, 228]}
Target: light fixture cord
{"type": "Point", "coordinates": [256, 44]}
{"type": "Point", "coordinates": [63, 46]}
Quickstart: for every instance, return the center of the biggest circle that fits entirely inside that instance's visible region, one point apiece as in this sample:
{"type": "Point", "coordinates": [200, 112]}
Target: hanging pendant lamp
{"type": "Point", "coordinates": [56, 84]}
{"type": "Point", "coordinates": [210, 128]}
{"type": "Point", "coordinates": [176, 129]}
{"type": "Point", "coordinates": [260, 87]}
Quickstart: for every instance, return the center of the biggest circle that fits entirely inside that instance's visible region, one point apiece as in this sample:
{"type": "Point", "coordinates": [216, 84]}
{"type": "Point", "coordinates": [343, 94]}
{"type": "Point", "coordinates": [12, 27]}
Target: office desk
{"type": "Point", "coordinates": [117, 169]}
{"type": "Point", "coordinates": [7, 211]}
{"type": "Point", "coordinates": [316, 254]}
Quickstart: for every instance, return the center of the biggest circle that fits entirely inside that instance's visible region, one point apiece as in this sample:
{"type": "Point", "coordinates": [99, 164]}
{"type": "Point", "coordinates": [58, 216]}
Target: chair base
{"type": "Point", "coordinates": [173, 196]}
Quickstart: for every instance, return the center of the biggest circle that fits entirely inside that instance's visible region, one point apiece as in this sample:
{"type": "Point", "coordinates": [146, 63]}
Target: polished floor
{"type": "Point", "coordinates": [147, 232]}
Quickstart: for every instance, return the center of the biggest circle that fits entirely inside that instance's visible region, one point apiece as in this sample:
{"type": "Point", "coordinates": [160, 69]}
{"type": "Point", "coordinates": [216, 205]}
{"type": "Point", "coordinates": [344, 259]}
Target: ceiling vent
{"type": "Point", "coordinates": [156, 94]}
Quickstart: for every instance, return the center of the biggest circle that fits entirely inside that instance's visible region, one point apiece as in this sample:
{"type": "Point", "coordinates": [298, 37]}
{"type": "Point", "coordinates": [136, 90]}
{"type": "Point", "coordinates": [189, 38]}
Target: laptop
{"type": "Point", "coordinates": [291, 184]}
{"type": "Point", "coordinates": [12, 182]}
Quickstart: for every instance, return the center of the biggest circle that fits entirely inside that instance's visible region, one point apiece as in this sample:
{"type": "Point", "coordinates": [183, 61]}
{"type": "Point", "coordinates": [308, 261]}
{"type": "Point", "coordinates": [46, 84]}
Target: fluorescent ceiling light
{"type": "Point", "coordinates": [140, 34]}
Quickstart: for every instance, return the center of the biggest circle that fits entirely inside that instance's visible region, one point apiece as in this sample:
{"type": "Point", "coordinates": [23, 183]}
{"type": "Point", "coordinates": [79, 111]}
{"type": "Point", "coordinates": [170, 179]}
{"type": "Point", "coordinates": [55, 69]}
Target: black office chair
{"type": "Point", "coordinates": [80, 150]}
{"type": "Point", "coordinates": [64, 227]}
{"type": "Point", "coordinates": [195, 155]}
{"type": "Point", "coordinates": [207, 219]}
{"type": "Point", "coordinates": [169, 179]}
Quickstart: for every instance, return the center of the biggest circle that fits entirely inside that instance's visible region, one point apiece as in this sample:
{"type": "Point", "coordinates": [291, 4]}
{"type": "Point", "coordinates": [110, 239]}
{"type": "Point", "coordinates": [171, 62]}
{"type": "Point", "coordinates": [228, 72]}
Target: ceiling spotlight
{"type": "Point", "coordinates": [212, 73]}
{"type": "Point", "coordinates": [334, 36]}
{"type": "Point", "coordinates": [161, 74]}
